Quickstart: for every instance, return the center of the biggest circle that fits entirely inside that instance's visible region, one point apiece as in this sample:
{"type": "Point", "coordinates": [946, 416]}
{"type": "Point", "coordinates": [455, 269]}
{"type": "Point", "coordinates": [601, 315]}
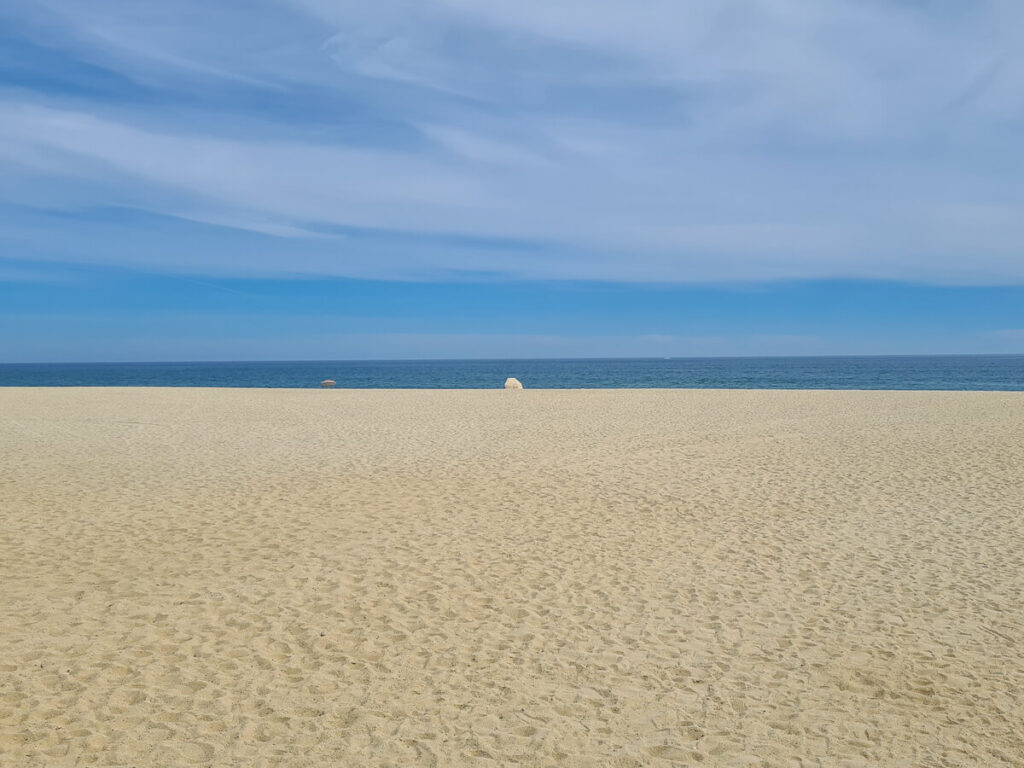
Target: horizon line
{"type": "Point", "coordinates": [515, 359]}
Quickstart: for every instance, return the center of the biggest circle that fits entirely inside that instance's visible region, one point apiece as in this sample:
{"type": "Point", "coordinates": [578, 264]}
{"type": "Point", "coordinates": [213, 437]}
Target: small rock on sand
{"type": "Point", "coordinates": [511, 383]}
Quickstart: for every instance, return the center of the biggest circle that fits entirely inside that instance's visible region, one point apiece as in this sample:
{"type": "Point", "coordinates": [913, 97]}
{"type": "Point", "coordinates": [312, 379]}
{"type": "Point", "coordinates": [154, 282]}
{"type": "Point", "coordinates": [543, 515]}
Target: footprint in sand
{"type": "Point", "coordinates": [673, 754]}
{"type": "Point", "coordinates": [196, 752]}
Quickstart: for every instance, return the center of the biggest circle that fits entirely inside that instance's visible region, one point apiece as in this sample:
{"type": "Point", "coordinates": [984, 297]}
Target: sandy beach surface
{"type": "Point", "coordinates": [489, 578]}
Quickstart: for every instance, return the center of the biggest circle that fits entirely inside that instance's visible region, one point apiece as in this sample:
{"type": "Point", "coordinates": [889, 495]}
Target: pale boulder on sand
{"type": "Point", "coordinates": [511, 383]}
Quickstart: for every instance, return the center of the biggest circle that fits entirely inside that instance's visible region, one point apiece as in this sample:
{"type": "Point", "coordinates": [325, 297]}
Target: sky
{"type": "Point", "coordinates": [315, 179]}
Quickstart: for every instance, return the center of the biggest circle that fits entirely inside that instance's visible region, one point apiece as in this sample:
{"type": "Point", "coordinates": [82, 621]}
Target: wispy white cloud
{"type": "Point", "coordinates": [709, 140]}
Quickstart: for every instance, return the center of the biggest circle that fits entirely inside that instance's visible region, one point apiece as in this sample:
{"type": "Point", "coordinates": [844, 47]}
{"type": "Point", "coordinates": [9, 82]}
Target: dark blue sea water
{"type": "Point", "coordinates": [953, 372]}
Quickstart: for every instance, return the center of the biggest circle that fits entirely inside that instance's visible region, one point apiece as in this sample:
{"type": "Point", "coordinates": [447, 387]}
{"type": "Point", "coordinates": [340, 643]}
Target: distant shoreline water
{"type": "Point", "coordinates": [911, 372]}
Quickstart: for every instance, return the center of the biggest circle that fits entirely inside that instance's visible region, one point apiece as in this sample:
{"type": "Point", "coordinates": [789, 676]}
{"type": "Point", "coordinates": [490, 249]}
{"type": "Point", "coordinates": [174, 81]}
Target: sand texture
{"type": "Point", "coordinates": [534, 578]}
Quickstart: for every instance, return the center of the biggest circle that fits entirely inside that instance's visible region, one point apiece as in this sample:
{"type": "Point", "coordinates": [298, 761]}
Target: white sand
{"type": "Point", "coordinates": [580, 578]}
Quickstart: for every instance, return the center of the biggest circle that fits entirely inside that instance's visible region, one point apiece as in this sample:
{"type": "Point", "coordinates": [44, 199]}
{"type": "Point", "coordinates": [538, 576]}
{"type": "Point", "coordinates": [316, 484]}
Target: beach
{"type": "Point", "coordinates": [486, 578]}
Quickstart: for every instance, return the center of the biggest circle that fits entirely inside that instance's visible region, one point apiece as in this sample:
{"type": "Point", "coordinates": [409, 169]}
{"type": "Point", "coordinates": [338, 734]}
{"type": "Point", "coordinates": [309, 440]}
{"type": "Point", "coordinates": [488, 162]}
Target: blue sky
{"type": "Point", "coordinates": [312, 179]}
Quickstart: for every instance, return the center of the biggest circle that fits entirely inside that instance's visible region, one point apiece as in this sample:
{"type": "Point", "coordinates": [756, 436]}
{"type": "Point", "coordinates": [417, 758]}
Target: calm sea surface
{"type": "Point", "coordinates": [973, 372]}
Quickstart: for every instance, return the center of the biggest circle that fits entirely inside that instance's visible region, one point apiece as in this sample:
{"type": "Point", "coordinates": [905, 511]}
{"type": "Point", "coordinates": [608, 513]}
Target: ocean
{"type": "Point", "coordinates": [943, 372]}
